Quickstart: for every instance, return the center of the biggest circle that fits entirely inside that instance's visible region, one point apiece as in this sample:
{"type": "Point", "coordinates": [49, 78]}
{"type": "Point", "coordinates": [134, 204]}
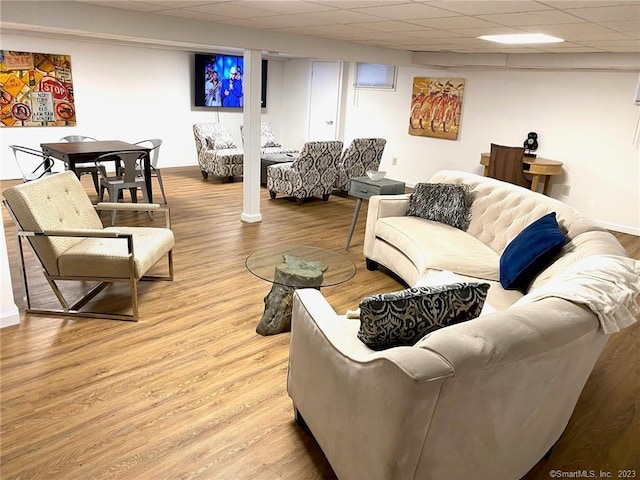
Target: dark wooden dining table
{"type": "Point", "coordinates": [73, 153]}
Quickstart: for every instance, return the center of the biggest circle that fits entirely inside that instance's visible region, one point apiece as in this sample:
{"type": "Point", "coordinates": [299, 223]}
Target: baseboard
{"type": "Point", "coordinates": [9, 319]}
{"type": "Point", "coordinates": [245, 217]}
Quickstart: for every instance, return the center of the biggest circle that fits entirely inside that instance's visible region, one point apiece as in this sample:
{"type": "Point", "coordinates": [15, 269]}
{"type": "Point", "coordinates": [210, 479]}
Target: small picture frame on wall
{"type": "Point", "coordinates": [436, 106]}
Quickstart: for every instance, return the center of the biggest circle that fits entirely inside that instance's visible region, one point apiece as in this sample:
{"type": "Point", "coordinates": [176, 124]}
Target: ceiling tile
{"type": "Point", "coordinates": [184, 13]}
{"type": "Point", "coordinates": [454, 23]}
{"type": "Point", "coordinates": [176, 3]}
{"type": "Point", "coordinates": [608, 14]}
{"type": "Point", "coordinates": [475, 7]}
{"type": "Point", "coordinates": [393, 26]}
{"type": "Point", "coordinates": [286, 7]}
{"type": "Point", "coordinates": [407, 11]}
{"type": "Point", "coordinates": [259, 23]}
{"type": "Point", "coordinates": [628, 27]}
{"type": "Point", "coordinates": [230, 9]}
{"type": "Point", "coordinates": [547, 17]}
{"type": "Point", "coordinates": [567, 28]}
{"type": "Point", "coordinates": [434, 34]}
{"type": "Point", "coordinates": [350, 4]}
{"type": "Point", "coordinates": [496, 30]}
{"type": "Point", "coordinates": [128, 5]}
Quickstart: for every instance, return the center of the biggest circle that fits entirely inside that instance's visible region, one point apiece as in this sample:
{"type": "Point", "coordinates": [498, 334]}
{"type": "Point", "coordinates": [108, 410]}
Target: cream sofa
{"type": "Point", "coordinates": [483, 399]}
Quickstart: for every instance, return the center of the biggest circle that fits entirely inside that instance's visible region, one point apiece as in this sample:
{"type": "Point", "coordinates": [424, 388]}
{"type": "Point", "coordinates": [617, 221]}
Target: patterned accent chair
{"type": "Point", "coordinates": [312, 174]}
{"type": "Point", "coordinates": [363, 154]}
{"type": "Point", "coordinates": [268, 143]}
{"type": "Point", "coordinates": [217, 154]}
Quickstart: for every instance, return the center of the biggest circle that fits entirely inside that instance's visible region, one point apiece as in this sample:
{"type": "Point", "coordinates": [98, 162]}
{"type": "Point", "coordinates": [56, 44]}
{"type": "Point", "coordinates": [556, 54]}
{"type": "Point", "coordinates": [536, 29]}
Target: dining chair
{"type": "Point", "coordinates": [154, 144]}
{"type": "Point", "coordinates": [33, 164]}
{"type": "Point", "coordinates": [82, 168]}
{"type": "Point", "coordinates": [505, 163]}
{"type": "Point", "coordinates": [126, 177]}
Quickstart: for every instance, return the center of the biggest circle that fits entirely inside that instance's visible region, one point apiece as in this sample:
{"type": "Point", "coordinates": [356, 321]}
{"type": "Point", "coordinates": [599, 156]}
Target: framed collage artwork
{"type": "Point", "coordinates": [436, 105]}
{"type": "Point", "coordinates": [36, 90]}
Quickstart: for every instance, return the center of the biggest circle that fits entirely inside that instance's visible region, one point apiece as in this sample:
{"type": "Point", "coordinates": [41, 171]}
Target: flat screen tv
{"type": "Point", "coordinates": [218, 81]}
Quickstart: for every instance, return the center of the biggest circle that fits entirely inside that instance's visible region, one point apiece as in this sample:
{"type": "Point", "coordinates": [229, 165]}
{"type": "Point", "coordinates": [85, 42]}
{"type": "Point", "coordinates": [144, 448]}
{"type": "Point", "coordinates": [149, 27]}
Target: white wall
{"type": "Point", "coordinates": [130, 93]}
{"type": "Point", "coordinates": [584, 119]}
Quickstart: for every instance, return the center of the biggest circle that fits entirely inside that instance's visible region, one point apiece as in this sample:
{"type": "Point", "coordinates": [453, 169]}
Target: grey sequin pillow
{"type": "Point", "coordinates": [448, 203]}
{"type": "Point", "coordinates": [402, 318]}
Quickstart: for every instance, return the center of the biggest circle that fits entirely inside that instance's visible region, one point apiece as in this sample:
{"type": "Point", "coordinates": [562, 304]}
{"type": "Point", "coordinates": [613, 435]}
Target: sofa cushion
{"type": "Point", "coordinates": [430, 244]}
{"type": "Point", "coordinates": [530, 252]}
{"type": "Point", "coordinates": [442, 202]}
{"type": "Point", "coordinates": [402, 318]}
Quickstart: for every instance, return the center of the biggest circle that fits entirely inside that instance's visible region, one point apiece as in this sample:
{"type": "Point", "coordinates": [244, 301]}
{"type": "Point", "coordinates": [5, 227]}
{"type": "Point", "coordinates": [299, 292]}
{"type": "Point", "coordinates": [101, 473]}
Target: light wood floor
{"type": "Point", "coordinates": [192, 392]}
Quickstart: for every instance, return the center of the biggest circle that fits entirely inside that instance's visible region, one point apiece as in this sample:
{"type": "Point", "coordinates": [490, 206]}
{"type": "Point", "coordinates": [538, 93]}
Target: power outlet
{"type": "Point", "coordinates": [566, 190]}
{"type": "Point", "coordinates": [394, 161]}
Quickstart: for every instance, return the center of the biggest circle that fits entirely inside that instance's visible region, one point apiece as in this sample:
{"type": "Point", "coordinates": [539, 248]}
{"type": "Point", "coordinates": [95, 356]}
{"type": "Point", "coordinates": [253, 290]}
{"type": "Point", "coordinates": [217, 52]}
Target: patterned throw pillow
{"type": "Point", "coordinates": [267, 140]}
{"type": "Point", "coordinates": [402, 318]}
{"type": "Point", "coordinates": [224, 141]}
{"type": "Point", "coordinates": [447, 203]}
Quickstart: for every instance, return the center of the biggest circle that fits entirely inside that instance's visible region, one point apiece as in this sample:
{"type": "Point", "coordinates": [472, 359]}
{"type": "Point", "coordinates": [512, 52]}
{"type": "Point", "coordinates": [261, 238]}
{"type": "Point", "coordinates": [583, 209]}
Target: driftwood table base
{"type": "Point", "coordinates": [293, 272]}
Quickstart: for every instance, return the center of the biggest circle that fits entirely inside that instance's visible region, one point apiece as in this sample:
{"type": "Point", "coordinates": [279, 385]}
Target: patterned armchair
{"type": "Point", "coordinates": [363, 154]}
{"type": "Point", "coordinates": [217, 154]}
{"type": "Point", "coordinates": [268, 143]}
{"type": "Point", "coordinates": [312, 174]}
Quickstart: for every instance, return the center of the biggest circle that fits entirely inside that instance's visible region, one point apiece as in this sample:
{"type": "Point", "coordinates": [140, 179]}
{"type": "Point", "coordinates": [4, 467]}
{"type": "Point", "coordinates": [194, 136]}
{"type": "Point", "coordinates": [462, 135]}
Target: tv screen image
{"type": "Point", "coordinates": [219, 81]}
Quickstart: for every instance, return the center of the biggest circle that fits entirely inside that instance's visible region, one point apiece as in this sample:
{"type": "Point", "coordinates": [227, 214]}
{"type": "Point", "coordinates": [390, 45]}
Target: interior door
{"type": "Point", "coordinates": [325, 94]}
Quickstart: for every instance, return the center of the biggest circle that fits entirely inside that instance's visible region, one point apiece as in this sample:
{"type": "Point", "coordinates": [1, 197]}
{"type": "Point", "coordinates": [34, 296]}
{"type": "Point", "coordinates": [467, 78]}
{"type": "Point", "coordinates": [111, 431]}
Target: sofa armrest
{"type": "Point", "coordinates": [381, 206]}
{"type": "Point", "coordinates": [369, 411]}
{"type": "Point", "coordinates": [312, 308]}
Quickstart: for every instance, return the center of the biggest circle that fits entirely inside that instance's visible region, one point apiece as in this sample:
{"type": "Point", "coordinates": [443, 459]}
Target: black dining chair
{"type": "Point", "coordinates": [83, 168]}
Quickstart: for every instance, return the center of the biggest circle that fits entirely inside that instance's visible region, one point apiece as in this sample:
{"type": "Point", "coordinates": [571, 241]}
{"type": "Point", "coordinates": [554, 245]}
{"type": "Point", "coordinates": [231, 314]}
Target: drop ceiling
{"type": "Point", "coordinates": [447, 26]}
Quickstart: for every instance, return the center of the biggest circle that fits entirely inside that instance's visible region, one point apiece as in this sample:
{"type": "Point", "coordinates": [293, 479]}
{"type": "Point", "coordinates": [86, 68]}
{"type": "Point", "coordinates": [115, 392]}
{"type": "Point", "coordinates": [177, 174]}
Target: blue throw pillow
{"type": "Point", "coordinates": [530, 252]}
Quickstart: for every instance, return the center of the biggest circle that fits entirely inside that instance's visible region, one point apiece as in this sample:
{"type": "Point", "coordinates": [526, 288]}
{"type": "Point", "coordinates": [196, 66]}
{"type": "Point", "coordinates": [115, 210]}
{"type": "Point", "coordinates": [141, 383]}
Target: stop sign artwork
{"type": "Point", "coordinates": [36, 90]}
{"type": "Point", "coordinates": [57, 89]}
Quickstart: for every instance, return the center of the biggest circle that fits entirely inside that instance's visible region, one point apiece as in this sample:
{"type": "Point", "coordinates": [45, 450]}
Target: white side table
{"type": "Point", "coordinates": [363, 188]}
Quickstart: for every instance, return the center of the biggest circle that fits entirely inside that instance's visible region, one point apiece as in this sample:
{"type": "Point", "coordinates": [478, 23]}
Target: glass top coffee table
{"type": "Point", "coordinates": [289, 267]}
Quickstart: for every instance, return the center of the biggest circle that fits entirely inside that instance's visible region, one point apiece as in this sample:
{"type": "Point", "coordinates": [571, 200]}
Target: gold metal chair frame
{"type": "Point", "coordinates": [74, 309]}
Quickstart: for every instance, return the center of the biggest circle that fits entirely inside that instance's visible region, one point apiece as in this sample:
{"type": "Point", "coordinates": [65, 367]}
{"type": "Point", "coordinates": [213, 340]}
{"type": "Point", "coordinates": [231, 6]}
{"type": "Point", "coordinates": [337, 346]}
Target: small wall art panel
{"type": "Point", "coordinates": [36, 90]}
{"type": "Point", "coordinates": [436, 104]}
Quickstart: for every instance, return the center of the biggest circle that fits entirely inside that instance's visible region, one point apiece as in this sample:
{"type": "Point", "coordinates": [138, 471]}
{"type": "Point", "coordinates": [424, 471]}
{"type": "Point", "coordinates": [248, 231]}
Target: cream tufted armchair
{"type": "Point", "coordinates": [363, 154]}
{"type": "Point", "coordinates": [217, 153]}
{"type": "Point", "coordinates": [56, 219]}
{"type": "Point", "coordinates": [310, 175]}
